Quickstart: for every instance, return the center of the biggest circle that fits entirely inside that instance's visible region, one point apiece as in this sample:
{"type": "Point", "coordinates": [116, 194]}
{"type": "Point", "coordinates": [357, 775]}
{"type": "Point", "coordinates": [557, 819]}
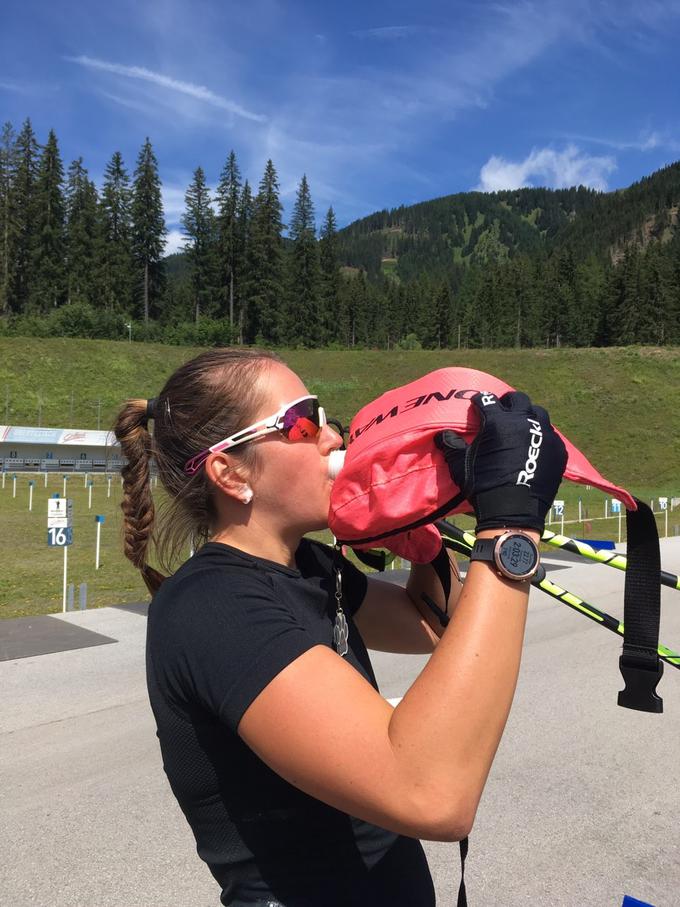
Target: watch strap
{"type": "Point", "coordinates": [483, 550]}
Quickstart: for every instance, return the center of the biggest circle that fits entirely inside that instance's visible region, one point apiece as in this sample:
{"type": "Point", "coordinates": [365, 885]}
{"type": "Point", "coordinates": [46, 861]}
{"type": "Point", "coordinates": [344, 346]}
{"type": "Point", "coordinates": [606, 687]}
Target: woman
{"type": "Point", "coordinates": [302, 785]}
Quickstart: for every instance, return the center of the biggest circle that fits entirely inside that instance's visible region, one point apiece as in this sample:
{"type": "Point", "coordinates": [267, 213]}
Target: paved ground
{"type": "Point", "coordinates": [581, 806]}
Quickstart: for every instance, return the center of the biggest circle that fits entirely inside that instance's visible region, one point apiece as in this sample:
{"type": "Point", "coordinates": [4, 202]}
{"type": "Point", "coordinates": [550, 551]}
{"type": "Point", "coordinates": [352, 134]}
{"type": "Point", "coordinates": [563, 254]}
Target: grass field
{"type": "Point", "coordinates": [618, 405]}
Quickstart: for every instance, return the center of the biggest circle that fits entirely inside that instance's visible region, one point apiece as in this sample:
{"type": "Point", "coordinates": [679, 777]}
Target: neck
{"type": "Point", "coordinates": [261, 541]}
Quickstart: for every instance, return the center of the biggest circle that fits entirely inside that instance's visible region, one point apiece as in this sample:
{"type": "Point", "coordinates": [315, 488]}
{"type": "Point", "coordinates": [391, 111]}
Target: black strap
{"type": "Point", "coordinates": [462, 894]}
{"type": "Point", "coordinates": [441, 616]}
{"type": "Point", "coordinates": [442, 567]}
{"type": "Point", "coordinates": [640, 664]}
{"type": "Point", "coordinates": [376, 560]}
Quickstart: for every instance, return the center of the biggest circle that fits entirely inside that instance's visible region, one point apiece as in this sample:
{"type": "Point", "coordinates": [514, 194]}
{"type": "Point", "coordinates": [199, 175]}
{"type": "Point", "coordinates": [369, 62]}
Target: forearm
{"type": "Point", "coordinates": [423, 580]}
{"type": "Point", "coordinates": [447, 728]}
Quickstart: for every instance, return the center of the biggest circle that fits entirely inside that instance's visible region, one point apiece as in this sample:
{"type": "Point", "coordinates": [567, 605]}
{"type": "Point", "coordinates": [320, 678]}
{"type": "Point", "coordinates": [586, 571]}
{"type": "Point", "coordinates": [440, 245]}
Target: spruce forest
{"type": "Point", "coordinates": [521, 268]}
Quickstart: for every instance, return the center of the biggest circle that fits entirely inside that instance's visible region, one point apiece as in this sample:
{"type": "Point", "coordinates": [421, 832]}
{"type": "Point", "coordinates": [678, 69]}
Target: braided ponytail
{"type": "Point", "coordinates": [131, 430]}
{"type": "Point", "coordinates": [206, 399]}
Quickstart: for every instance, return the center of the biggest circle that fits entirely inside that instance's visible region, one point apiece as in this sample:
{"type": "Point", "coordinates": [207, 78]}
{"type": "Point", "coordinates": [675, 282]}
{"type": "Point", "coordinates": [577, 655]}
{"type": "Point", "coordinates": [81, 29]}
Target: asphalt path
{"type": "Point", "coordinates": [580, 808]}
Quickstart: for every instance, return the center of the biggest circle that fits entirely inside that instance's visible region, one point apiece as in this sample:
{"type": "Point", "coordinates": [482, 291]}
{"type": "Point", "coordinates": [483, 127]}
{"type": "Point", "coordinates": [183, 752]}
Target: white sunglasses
{"type": "Point", "coordinates": [296, 421]}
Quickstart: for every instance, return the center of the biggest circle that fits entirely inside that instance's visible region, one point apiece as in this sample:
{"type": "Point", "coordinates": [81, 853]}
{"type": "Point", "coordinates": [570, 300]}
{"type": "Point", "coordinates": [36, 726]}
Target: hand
{"type": "Point", "coordinates": [512, 470]}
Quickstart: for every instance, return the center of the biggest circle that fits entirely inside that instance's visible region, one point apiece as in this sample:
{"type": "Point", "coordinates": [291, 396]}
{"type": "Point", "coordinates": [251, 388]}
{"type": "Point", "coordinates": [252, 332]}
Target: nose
{"type": "Point", "coordinates": [329, 440]}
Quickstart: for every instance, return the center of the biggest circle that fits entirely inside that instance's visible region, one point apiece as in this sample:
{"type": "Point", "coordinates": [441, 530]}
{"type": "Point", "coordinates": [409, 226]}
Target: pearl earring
{"type": "Point", "coordinates": [247, 496]}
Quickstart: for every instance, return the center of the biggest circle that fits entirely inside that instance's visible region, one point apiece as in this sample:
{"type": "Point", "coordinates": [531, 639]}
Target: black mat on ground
{"type": "Point", "coordinates": [22, 637]}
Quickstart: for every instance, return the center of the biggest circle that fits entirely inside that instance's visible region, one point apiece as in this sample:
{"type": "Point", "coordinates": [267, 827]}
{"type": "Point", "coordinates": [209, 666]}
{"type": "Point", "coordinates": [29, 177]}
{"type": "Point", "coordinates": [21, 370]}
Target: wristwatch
{"type": "Point", "coordinates": [514, 555]}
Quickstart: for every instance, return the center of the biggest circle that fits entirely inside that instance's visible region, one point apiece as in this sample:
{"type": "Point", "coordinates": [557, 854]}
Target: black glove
{"type": "Point", "coordinates": [512, 470]}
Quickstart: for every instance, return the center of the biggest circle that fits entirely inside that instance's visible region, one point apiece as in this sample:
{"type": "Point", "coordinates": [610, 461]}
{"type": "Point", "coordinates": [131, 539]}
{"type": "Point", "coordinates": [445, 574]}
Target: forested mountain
{"type": "Point", "coordinates": [529, 267]}
{"type": "Point", "coordinates": [445, 235]}
{"type": "Point", "coordinates": [533, 266]}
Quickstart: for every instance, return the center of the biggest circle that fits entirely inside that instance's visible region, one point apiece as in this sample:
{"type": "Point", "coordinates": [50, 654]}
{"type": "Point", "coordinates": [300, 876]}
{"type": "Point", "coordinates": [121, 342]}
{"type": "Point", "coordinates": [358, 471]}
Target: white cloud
{"type": "Point", "coordinates": [173, 201]}
{"type": "Point", "coordinates": [130, 103]}
{"type": "Point", "coordinates": [199, 92]}
{"type": "Point", "coordinates": [647, 141]}
{"type": "Point", "coordinates": [174, 242]}
{"type": "Point", "coordinates": [547, 167]}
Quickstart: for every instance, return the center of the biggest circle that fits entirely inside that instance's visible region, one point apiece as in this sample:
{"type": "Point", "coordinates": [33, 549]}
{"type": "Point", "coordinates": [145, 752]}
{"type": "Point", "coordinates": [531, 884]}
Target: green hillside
{"type": "Point", "coordinates": [615, 403]}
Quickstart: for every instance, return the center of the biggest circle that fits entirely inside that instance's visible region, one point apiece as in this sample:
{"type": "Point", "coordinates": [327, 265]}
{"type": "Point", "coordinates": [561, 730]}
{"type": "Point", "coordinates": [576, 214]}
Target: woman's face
{"type": "Point", "coordinates": [292, 482]}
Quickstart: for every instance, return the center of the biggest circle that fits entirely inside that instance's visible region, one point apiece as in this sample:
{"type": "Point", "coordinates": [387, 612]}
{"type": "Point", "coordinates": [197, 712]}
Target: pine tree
{"type": "Point", "coordinates": [49, 249]}
{"type": "Point", "coordinates": [244, 257]}
{"type": "Point", "coordinates": [589, 288]}
{"type": "Point", "coordinates": [302, 283]}
{"type": "Point", "coordinates": [199, 226]}
{"type": "Point", "coordinates": [329, 291]}
{"type": "Point", "coordinates": [444, 314]}
{"type": "Point", "coordinates": [228, 195]}
{"type": "Point", "coordinates": [22, 212]}
{"type": "Point", "coordinates": [266, 285]}
{"type": "Point", "coordinates": [82, 234]}
{"type": "Point", "coordinates": [626, 323]}
{"type": "Point", "coordinates": [8, 164]}
{"type": "Point", "coordinates": [116, 226]}
{"type": "Point", "coordinates": [148, 227]}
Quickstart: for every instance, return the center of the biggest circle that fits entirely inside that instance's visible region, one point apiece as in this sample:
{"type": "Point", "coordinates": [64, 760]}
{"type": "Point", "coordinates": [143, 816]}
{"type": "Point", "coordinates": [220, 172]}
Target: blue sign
{"type": "Point", "coordinates": [99, 518]}
{"type": "Point", "coordinates": [616, 506]}
{"type": "Point", "coordinates": [59, 538]}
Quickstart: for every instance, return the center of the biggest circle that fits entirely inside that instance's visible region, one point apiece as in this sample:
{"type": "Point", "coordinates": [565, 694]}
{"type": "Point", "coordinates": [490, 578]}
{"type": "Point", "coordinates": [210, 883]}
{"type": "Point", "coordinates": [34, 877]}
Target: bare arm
{"type": "Point", "coordinates": [424, 580]}
{"type": "Point", "coordinates": [392, 619]}
{"type": "Point", "coordinates": [418, 769]}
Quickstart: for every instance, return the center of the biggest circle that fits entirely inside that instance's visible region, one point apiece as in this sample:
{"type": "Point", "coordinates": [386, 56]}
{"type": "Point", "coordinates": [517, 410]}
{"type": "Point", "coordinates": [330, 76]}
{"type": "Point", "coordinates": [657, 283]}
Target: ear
{"type": "Point", "coordinates": [228, 476]}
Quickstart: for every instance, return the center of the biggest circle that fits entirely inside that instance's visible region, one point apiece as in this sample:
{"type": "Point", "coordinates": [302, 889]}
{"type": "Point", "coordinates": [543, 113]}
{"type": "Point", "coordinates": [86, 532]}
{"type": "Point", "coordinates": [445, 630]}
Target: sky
{"type": "Point", "coordinates": [379, 104]}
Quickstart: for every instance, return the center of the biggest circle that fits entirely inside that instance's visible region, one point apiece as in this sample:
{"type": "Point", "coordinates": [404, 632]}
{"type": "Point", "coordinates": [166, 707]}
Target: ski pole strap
{"type": "Point", "coordinates": [375, 559]}
{"type": "Point", "coordinates": [442, 567]}
{"type": "Point", "coordinates": [639, 663]}
{"type": "Point", "coordinates": [462, 894]}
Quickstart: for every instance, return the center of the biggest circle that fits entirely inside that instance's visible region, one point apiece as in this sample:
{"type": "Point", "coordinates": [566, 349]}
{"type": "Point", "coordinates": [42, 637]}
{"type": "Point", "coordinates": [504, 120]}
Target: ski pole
{"type": "Point", "coordinates": [610, 558]}
{"type": "Point", "coordinates": [462, 542]}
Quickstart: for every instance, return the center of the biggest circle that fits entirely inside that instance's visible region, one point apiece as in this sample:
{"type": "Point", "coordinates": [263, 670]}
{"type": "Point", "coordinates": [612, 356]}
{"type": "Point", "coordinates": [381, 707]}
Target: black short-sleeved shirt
{"type": "Point", "coordinates": [219, 630]}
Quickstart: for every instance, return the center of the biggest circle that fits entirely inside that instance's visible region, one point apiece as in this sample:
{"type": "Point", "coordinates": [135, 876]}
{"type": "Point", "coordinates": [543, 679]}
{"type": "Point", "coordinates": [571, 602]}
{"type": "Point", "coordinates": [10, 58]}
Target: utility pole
{"type": "Point", "coordinates": [128, 325]}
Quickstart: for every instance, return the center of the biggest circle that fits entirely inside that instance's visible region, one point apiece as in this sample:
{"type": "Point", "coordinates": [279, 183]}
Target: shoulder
{"type": "Point", "coordinates": [217, 636]}
{"type": "Point", "coordinates": [204, 592]}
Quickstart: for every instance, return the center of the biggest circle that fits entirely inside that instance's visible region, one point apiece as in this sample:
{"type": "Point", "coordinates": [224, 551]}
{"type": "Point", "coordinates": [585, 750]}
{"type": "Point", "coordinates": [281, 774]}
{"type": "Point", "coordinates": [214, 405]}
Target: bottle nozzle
{"type": "Point", "coordinates": [336, 458]}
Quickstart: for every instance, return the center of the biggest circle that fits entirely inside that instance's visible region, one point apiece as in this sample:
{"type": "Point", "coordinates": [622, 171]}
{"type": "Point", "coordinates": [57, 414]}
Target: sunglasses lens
{"type": "Point", "coordinates": [301, 421]}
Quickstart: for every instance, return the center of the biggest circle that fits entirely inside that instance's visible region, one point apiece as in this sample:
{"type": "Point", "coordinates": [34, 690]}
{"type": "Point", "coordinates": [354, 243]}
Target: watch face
{"type": "Point", "coordinates": [517, 555]}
